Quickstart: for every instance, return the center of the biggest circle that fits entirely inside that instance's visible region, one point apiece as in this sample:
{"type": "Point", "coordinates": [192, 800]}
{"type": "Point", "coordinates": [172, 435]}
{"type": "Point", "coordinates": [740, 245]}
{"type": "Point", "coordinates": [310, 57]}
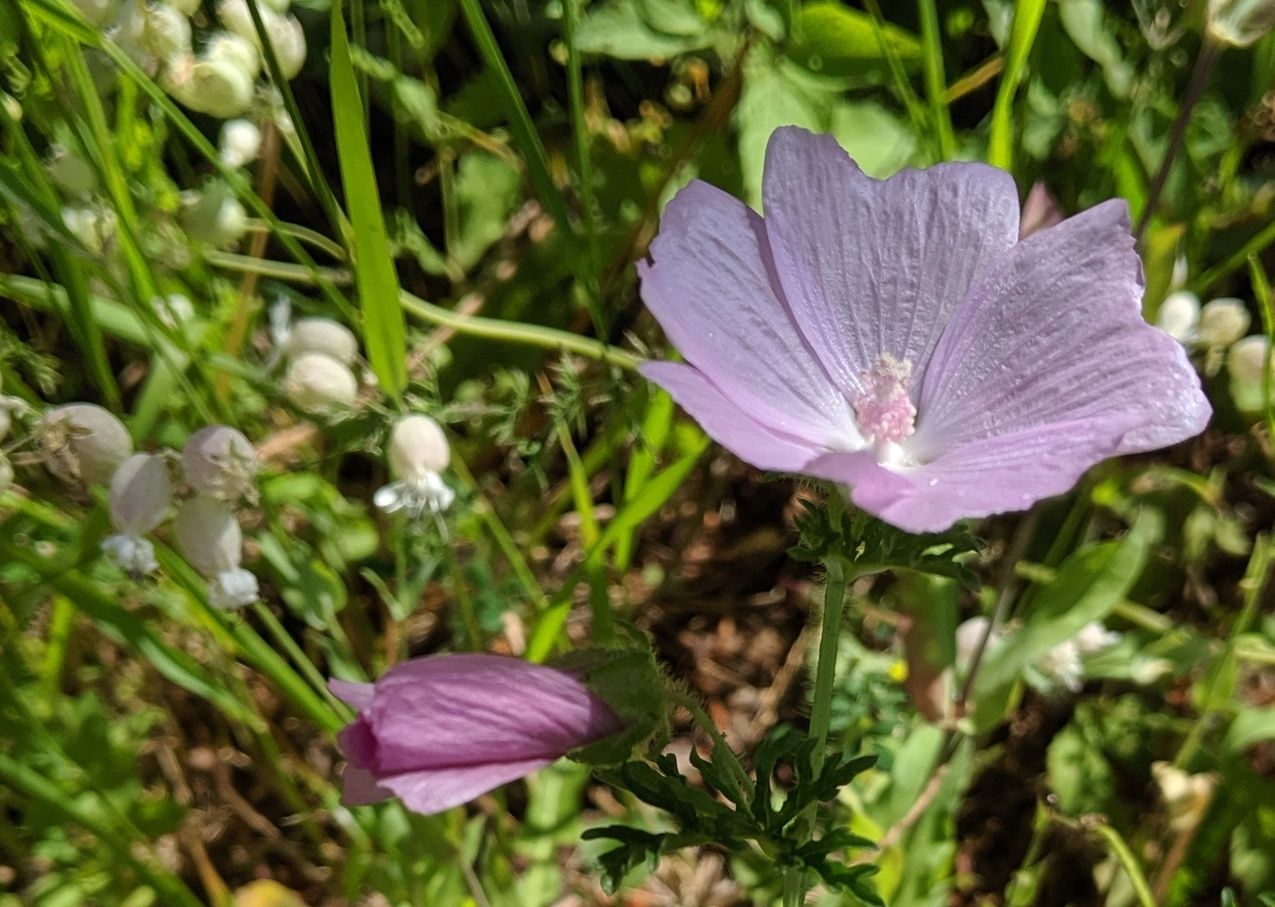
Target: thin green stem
{"type": "Point", "coordinates": [794, 887]}
{"type": "Point", "coordinates": [584, 165]}
{"type": "Point", "coordinates": [743, 783]}
{"type": "Point", "coordinates": [936, 79]}
{"type": "Point", "coordinates": [1210, 52]}
{"type": "Point", "coordinates": [826, 671]}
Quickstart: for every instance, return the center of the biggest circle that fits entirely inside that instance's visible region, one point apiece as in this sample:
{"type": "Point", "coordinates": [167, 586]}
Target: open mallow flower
{"type": "Point", "coordinates": [898, 338]}
{"type": "Point", "coordinates": [437, 732]}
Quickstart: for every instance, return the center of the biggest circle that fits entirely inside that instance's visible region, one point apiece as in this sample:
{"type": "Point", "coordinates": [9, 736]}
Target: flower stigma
{"type": "Point", "coordinates": [884, 411]}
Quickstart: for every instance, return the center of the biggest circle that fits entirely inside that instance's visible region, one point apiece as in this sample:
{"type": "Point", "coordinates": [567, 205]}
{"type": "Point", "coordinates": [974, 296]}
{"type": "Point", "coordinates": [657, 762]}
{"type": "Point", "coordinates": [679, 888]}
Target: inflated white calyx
{"type": "Point", "coordinates": [139, 498]}
{"type": "Point", "coordinates": [317, 383]}
{"type": "Point", "coordinates": [93, 226]}
{"type": "Point", "coordinates": [220, 462]}
{"type": "Point", "coordinates": [418, 454]}
{"type": "Point", "coordinates": [1246, 365]}
{"type": "Point", "coordinates": [1223, 321]}
{"type": "Point", "coordinates": [82, 442]}
{"type": "Point", "coordinates": [1240, 23]}
{"type": "Point", "coordinates": [167, 31]}
{"type": "Point", "coordinates": [71, 172]}
{"type": "Point", "coordinates": [321, 335]}
{"type": "Point", "coordinates": [218, 87]}
{"type": "Point", "coordinates": [1179, 316]}
{"type": "Point", "coordinates": [211, 541]}
{"type": "Point", "coordinates": [214, 215]}
{"type": "Point", "coordinates": [286, 34]}
{"type": "Point", "coordinates": [227, 47]}
{"type": "Point", "coordinates": [239, 142]}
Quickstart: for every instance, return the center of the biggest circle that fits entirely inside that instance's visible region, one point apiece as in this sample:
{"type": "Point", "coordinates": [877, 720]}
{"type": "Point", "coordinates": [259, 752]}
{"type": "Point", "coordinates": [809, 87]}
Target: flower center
{"type": "Point", "coordinates": [884, 411]}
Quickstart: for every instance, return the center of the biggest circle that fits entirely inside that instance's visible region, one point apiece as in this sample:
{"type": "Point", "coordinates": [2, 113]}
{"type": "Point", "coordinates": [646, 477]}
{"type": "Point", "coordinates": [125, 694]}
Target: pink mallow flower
{"type": "Point", "coordinates": [898, 338]}
{"type": "Point", "coordinates": [438, 731]}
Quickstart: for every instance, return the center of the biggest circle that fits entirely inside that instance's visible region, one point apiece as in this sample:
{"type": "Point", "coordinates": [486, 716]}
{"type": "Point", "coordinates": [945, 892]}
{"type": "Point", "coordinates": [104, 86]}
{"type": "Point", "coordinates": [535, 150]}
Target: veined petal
{"type": "Point", "coordinates": [450, 710]}
{"type": "Point", "coordinates": [355, 695]}
{"type": "Point", "coordinates": [711, 288]}
{"type": "Point", "coordinates": [1054, 333]}
{"type": "Point", "coordinates": [725, 422]}
{"type": "Point", "coordinates": [995, 475]}
{"type": "Point", "coordinates": [877, 267]}
{"type": "Point", "coordinates": [429, 791]}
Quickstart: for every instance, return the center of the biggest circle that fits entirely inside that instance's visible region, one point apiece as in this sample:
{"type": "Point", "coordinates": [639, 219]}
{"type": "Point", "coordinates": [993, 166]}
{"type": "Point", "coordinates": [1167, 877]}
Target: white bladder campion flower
{"type": "Point", "coordinates": [317, 383]}
{"type": "Point", "coordinates": [1223, 321]}
{"type": "Point", "coordinates": [1246, 365]}
{"type": "Point", "coordinates": [418, 454]}
{"type": "Point", "coordinates": [1179, 316]}
{"type": "Point", "coordinates": [897, 337]}
{"type": "Point", "coordinates": [239, 142]}
{"type": "Point", "coordinates": [139, 498]}
{"type": "Point", "coordinates": [1064, 663]}
{"type": "Point", "coordinates": [320, 335]}
{"type": "Point", "coordinates": [286, 35]}
{"type": "Point", "coordinates": [212, 542]}
{"type": "Point", "coordinates": [220, 462]}
{"type": "Point", "coordinates": [82, 442]}
{"type": "Point", "coordinates": [1240, 22]}
{"type": "Point", "coordinates": [214, 215]}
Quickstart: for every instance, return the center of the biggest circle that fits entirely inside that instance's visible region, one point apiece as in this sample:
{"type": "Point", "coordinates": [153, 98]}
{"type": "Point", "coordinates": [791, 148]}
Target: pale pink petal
{"type": "Point", "coordinates": [360, 787]}
{"type": "Point", "coordinates": [355, 695]}
{"type": "Point", "coordinates": [1004, 473]}
{"type": "Point", "coordinates": [872, 267]}
{"type": "Point", "coordinates": [429, 791]}
{"type": "Point", "coordinates": [1054, 333]}
{"type": "Point", "coordinates": [725, 422]}
{"type": "Point", "coordinates": [450, 710]}
{"type": "Point", "coordinates": [711, 288]}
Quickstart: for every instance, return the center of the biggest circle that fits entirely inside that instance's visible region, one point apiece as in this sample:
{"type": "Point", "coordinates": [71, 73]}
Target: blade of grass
{"type": "Point", "coordinates": [580, 132]}
{"type": "Point", "coordinates": [1262, 293]}
{"type": "Point", "coordinates": [935, 79]}
{"type": "Point", "coordinates": [1022, 35]}
{"type": "Point", "coordinates": [384, 327]}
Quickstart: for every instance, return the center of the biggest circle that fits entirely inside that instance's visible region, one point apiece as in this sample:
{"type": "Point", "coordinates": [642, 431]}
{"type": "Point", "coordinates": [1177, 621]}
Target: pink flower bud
{"type": "Point", "coordinates": [437, 732]}
{"type": "Point", "coordinates": [220, 462]}
{"type": "Point", "coordinates": [81, 442]}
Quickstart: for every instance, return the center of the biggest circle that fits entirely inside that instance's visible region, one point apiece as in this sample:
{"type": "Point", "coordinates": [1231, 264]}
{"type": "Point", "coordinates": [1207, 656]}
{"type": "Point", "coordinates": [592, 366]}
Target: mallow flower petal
{"type": "Point", "coordinates": [450, 710]}
{"type": "Point", "coordinates": [359, 787]}
{"type": "Point", "coordinates": [1054, 333]}
{"type": "Point", "coordinates": [995, 475]}
{"type": "Point", "coordinates": [355, 695]}
{"type": "Point", "coordinates": [725, 422]}
{"type": "Point", "coordinates": [429, 791]}
{"type": "Point", "coordinates": [871, 267]}
{"type": "Point", "coordinates": [710, 285]}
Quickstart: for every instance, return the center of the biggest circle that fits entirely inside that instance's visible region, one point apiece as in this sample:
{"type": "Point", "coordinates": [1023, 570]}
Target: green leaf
{"type": "Point", "coordinates": [384, 327]}
{"type": "Point", "coordinates": [836, 40]}
{"type": "Point", "coordinates": [636, 30]}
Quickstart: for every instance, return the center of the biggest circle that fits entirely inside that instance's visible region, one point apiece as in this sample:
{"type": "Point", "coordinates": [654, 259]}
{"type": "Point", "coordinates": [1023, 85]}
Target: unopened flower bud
{"type": "Point", "coordinates": [94, 227]}
{"type": "Point", "coordinates": [318, 383]}
{"type": "Point", "coordinates": [220, 462]}
{"type": "Point", "coordinates": [71, 172]}
{"type": "Point", "coordinates": [82, 442]}
{"type": "Point", "coordinates": [969, 635]}
{"type": "Point", "coordinates": [186, 7]}
{"type": "Point", "coordinates": [322, 335]}
{"type": "Point", "coordinates": [227, 47]}
{"type": "Point", "coordinates": [140, 495]}
{"type": "Point", "coordinates": [215, 216]}
{"type": "Point", "coordinates": [1186, 796]}
{"type": "Point", "coordinates": [287, 37]}
{"type": "Point", "coordinates": [1179, 316]}
{"type": "Point", "coordinates": [167, 31]}
{"type": "Point", "coordinates": [1246, 363]}
{"type": "Point", "coordinates": [217, 87]}
{"type": "Point", "coordinates": [239, 143]}
{"type": "Point", "coordinates": [209, 536]}
{"type": "Point", "coordinates": [418, 454]}
{"type": "Point", "coordinates": [1240, 22]}
{"type": "Point", "coordinates": [1223, 321]}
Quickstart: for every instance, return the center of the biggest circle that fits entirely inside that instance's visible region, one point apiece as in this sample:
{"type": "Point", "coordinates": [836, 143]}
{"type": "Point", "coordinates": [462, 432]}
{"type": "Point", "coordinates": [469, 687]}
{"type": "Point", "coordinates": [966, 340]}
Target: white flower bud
{"type": "Point", "coordinates": [968, 636]}
{"type": "Point", "coordinates": [287, 37]}
{"type": "Point", "coordinates": [1062, 664]}
{"type": "Point", "coordinates": [220, 462]}
{"type": "Point", "coordinates": [215, 216]}
{"type": "Point", "coordinates": [417, 447]}
{"type": "Point", "coordinates": [239, 143]}
{"type": "Point", "coordinates": [1179, 316]}
{"type": "Point", "coordinates": [418, 454]}
{"type": "Point", "coordinates": [71, 172]}
{"type": "Point", "coordinates": [220, 88]}
{"type": "Point", "coordinates": [140, 494]}
{"type": "Point", "coordinates": [94, 227]}
{"type": "Point", "coordinates": [1094, 637]}
{"type": "Point", "coordinates": [174, 310]}
{"type": "Point", "coordinates": [322, 335]}
{"type": "Point", "coordinates": [227, 47]}
{"type": "Point", "coordinates": [167, 31]}
{"type": "Point", "coordinates": [1240, 22]}
{"type": "Point", "coordinates": [209, 536]}
{"type": "Point", "coordinates": [232, 589]}
{"type": "Point", "coordinates": [186, 7]}
{"type": "Point", "coordinates": [82, 442]}
{"type": "Point", "coordinates": [1223, 321]}
{"type": "Point", "coordinates": [237, 18]}
{"type": "Point", "coordinates": [1246, 362]}
{"type": "Point", "coordinates": [318, 383]}
{"type": "Point", "coordinates": [1186, 796]}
